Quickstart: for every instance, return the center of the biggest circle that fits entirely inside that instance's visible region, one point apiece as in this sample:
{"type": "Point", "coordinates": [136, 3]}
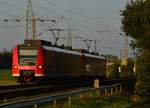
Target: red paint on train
{"type": "Point", "coordinates": [38, 69]}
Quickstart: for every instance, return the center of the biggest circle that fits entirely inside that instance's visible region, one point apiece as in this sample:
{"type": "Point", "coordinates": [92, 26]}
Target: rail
{"type": "Point", "coordinates": [35, 101]}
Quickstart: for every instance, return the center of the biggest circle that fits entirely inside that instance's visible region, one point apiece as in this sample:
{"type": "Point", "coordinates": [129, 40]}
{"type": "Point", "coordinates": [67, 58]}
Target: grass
{"type": "Point", "coordinates": [6, 77]}
{"type": "Point", "coordinates": [5, 74]}
{"type": "Point", "coordinates": [95, 102]}
{"type": "Point", "coordinates": [115, 101]}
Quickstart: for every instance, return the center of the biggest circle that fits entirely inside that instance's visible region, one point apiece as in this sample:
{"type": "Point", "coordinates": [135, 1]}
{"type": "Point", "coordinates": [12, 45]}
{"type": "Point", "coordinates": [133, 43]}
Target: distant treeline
{"type": "Point", "coordinates": [5, 60]}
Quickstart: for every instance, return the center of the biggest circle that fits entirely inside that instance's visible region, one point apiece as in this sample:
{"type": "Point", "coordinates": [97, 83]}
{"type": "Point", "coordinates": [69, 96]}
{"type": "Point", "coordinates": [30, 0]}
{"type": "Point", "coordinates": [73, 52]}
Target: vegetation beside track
{"type": "Point", "coordinates": [6, 77]}
{"type": "Point", "coordinates": [5, 74]}
{"type": "Point", "coordinates": [115, 101]}
{"type": "Point", "coordinates": [95, 102]}
{"type": "Point", "coordinates": [5, 59]}
{"type": "Point", "coordinates": [136, 24]}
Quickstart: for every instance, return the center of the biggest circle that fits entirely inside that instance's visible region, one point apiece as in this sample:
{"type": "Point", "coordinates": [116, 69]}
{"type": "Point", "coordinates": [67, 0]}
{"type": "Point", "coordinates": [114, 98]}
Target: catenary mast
{"type": "Point", "coordinates": [30, 22]}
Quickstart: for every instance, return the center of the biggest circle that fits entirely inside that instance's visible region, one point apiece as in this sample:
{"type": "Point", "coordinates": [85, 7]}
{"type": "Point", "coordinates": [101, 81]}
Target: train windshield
{"type": "Point", "coordinates": [27, 57]}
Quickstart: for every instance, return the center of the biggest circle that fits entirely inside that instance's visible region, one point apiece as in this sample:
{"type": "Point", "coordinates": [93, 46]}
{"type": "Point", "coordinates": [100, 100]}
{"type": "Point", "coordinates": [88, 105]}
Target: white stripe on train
{"type": "Point", "coordinates": [71, 52]}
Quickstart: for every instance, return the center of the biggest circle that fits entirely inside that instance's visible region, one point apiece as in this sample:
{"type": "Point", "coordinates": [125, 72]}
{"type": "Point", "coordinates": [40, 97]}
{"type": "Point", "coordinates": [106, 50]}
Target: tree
{"type": "Point", "coordinates": [5, 59]}
{"type": "Point", "coordinates": [136, 24]}
{"type": "Point", "coordinates": [6, 52]}
{"type": "Point", "coordinates": [142, 87]}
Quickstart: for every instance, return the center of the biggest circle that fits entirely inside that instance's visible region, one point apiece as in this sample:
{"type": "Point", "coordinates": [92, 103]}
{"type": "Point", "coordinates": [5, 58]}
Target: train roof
{"type": "Point", "coordinates": [71, 52]}
{"type": "Point", "coordinates": [37, 43]}
{"type": "Point", "coordinates": [64, 49]}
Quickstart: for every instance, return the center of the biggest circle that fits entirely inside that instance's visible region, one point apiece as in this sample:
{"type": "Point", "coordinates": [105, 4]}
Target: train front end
{"type": "Point", "coordinates": [27, 63]}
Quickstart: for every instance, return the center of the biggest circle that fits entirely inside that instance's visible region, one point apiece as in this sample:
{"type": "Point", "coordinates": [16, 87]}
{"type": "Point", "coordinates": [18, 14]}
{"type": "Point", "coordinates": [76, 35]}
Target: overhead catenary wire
{"type": "Point", "coordinates": [72, 12]}
{"type": "Point", "coordinates": [83, 25]}
{"type": "Point", "coordinates": [8, 14]}
{"type": "Point", "coordinates": [46, 9]}
{"type": "Point", "coordinates": [83, 38]}
{"type": "Point", "coordinates": [70, 20]}
{"type": "Point", "coordinates": [103, 32]}
{"type": "Point", "coordinates": [69, 11]}
{"type": "Point", "coordinates": [83, 16]}
{"type": "Point", "coordinates": [80, 24]}
{"type": "Point", "coordinates": [5, 20]}
{"type": "Point", "coordinates": [10, 5]}
{"type": "Point", "coordinates": [52, 3]}
{"type": "Point", "coordinates": [41, 33]}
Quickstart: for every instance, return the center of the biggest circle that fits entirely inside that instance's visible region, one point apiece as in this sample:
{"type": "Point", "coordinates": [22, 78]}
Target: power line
{"type": "Point", "coordinates": [69, 11]}
{"type": "Point", "coordinates": [8, 14]}
{"type": "Point", "coordinates": [86, 26]}
{"type": "Point", "coordinates": [101, 20]}
{"type": "Point", "coordinates": [71, 20]}
{"type": "Point", "coordinates": [6, 26]}
{"type": "Point", "coordinates": [50, 26]}
{"type": "Point", "coordinates": [10, 5]}
{"type": "Point", "coordinates": [50, 2]}
{"type": "Point", "coordinates": [83, 16]}
{"type": "Point", "coordinates": [46, 9]}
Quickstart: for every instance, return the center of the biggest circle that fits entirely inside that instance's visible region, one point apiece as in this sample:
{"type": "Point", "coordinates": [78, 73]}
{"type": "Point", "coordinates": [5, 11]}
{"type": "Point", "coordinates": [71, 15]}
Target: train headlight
{"type": "Point", "coordinates": [39, 66]}
{"type": "Point", "coordinates": [15, 66]}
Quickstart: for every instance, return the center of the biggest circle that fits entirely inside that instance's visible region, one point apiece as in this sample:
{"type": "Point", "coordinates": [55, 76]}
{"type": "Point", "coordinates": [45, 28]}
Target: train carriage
{"type": "Point", "coordinates": [37, 60]}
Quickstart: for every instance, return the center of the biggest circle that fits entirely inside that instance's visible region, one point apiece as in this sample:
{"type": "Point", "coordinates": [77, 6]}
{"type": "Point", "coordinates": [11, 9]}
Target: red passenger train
{"type": "Point", "coordinates": [39, 60]}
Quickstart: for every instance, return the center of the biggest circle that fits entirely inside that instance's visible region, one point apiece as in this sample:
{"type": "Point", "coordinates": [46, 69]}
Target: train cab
{"type": "Point", "coordinates": [28, 61]}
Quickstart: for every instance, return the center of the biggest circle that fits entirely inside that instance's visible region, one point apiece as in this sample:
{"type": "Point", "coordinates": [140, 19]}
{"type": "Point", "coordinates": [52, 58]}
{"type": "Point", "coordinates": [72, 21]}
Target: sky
{"type": "Point", "coordinates": [90, 19]}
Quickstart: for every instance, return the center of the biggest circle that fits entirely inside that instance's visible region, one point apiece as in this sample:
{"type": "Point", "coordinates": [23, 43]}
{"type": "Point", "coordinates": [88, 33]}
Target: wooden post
{"type": "Point", "coordinates": [55, 103]}
{"type": "Point", "coordinates": [120, 88]}
{"type": "Point", "coordinates": [106, 91]}
{"type": "Point", "coordinates": [111, 92]}
{"type": "Point", "coordinates": [35, 106]}
{"type": "Point", "coordinates": [116, 89]}
{"type": "Point", "coordinates": [96, 83]}
{"type": "Point", "coordinates": [69, 101]}
{"type": "Point", "coordinates": [5, 99]}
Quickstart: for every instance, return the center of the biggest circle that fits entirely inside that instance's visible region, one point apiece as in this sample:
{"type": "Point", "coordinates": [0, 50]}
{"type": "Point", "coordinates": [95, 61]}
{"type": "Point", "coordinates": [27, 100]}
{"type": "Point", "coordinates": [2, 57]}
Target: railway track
{"type": "Point", "coordinates": [15, 91]}
{"type": "Point", "coordinates": [16, 86]}
{"type": "Point", "coordinates": [39, 100]}
{"type": "Point", "coordinates": [32, 90]}
{"type": "Point", "coordinates": [42, 95]}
